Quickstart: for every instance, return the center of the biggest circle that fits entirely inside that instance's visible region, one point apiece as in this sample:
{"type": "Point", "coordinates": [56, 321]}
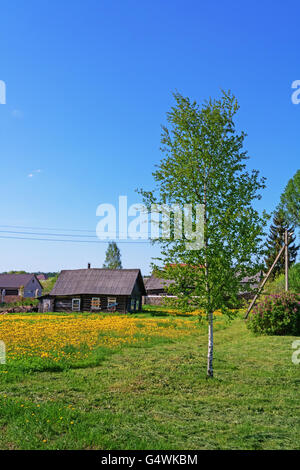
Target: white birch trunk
{"type": "Point", "coordinates": [210, 350]}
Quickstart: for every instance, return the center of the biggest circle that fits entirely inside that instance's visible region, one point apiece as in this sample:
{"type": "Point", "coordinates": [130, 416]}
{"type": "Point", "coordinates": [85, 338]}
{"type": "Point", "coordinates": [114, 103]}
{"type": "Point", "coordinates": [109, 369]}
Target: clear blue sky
{"type": "Point", "coordinates": [88, 85]}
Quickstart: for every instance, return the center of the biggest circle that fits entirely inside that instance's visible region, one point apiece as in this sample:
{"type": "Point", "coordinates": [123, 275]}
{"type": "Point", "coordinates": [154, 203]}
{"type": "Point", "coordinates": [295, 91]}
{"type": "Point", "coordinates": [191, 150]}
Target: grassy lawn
{"type": "Point", "coordinates": [139, 382]}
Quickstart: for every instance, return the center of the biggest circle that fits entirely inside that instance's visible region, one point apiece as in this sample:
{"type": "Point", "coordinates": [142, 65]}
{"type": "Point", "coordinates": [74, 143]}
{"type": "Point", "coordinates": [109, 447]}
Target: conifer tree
{"type": "Point", "coordinates": [275, 241]}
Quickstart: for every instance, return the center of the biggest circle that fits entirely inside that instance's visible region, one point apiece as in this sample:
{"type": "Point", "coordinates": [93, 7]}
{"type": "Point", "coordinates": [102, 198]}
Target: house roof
{"type": "Point", "coordinates": [98, 281]}
{"type": "Point", "coordinates": [14, 281]}
{"type": "Point", "coordinates": [255, 279]}
{"type": "Point", "coordinates": [154, 283]}
{"type": "Point", "coordinates": [41, 277]}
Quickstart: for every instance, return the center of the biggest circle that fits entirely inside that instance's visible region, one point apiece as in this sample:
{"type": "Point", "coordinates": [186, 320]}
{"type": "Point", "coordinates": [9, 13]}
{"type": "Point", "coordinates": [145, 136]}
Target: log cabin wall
{"type": "Point", "coordinates": [64, 304]}
{"type": "Point", "coordinates": [87, 300]}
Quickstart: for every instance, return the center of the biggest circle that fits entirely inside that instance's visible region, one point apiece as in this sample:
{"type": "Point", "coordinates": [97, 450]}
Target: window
{"type": "Point", "coordinates": [132, 304]}
{"type": "Point", "coordinates": [111, 301]}
{"type": "Point", "coordinates": [11, 292]}
{"type": "Point", "coordinates": [95, 303]}
{"type": "Point", "coordinates": [76, 305]}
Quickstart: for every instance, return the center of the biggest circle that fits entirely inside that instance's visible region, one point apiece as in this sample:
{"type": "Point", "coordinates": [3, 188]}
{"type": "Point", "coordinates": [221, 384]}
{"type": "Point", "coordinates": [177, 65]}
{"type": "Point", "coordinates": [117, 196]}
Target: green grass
{"type": "Point", "coordinates": [157, 396]}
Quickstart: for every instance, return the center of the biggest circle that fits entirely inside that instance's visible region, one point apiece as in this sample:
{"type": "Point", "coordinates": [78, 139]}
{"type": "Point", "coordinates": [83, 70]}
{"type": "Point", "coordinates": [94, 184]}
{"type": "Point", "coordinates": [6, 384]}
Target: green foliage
{"type": "Point", "coordinates": [15, 272]}
{"type": "Point", "coordinates": [274, 243]}
{"type": "Point", "coordinates": [276, 314]}
{"type": "Point", "coordinates": [48, 284]}
{"type": "Point", "coordinates": [290, 200]}
{"type": "Point", "coordinates": [278, 284]}
{"type": "Point", "coordinates": [20, 303]}
{"type": "Point", "coordinates": [204, 163]}
{"type": "Point", "coordinates": [112, 257]}
{"type": "Point", "coordinates": [294, 278]}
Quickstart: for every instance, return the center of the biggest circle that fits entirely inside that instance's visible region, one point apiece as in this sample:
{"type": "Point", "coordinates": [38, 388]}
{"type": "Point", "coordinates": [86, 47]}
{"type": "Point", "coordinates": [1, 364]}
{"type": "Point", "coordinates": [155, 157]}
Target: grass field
{"type": "Point", "coordinates": [89, 381]}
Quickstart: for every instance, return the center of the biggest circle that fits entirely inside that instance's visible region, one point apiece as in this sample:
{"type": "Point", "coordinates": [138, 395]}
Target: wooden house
{"type": "Point", "coordinates": [84, 290]}
{"type": "Point", "coordinates": [156, 289]}
{"type": "Point", "coordinates": [155, 285]}
{"type": "Point", "coordinates": [15, 286]}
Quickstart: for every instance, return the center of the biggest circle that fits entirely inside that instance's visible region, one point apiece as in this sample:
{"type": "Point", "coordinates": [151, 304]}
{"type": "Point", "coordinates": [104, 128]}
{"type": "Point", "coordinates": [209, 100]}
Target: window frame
{"type": "Point", "coordinates": [93, 307]}
{"type": "Point", "coordinates": [78, 299]}
{"type": "Point", "coordinates": [109, 301]}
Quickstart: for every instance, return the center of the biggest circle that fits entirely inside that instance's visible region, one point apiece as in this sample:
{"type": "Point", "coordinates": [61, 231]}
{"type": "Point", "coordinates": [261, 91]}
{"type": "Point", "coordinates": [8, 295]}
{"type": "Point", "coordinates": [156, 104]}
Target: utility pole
{"type": "Point", "coordinates": [286, 255]}
{"type": "Point", "coordinates": [264, 281]}
{"type": "Point", "coordinates": [284, 248]}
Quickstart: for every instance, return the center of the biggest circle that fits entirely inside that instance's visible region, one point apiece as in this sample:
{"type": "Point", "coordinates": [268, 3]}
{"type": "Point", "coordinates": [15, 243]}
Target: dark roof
{"type": "Point", "coordinates": [14, 280]}
{"type": "Point", "coordinates": [98, 281]}
{"type": "Point", "coordinates": [42, 277]}
{"type": "Point", "coordinates": [255, 279]}
{"type": "Point", "coordinates": [154, 283]}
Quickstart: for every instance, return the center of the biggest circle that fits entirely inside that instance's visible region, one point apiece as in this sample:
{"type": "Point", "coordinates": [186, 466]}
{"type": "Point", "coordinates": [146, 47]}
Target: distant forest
{"type": "Point", "coordinates": [47, 274]}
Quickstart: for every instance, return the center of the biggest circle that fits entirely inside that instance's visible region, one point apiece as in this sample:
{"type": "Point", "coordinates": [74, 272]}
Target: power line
{"type": "Point", "coordinates": [56, 234]}
{"type": "Point", "coordinates": [75, 241]}
{"type": "Point", "coordinates": [49, 234]}
{"type": "Point", "coordinates": [48, 228]}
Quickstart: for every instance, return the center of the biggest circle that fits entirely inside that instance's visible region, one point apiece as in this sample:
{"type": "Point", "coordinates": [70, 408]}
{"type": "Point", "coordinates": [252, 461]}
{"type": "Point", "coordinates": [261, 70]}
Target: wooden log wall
{"type": "Point", "coordinates": [64, 304]}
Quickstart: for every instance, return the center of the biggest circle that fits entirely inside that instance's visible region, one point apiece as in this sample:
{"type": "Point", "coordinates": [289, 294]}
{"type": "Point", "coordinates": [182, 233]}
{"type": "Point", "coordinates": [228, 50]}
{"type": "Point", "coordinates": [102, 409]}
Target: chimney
{"type": "Point", "coordinates": [89, 265]}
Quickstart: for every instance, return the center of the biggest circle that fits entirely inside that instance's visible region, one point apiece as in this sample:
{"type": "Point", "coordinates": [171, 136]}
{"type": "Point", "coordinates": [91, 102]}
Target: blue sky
{"type": "Point", "coordinates": [88, 86]}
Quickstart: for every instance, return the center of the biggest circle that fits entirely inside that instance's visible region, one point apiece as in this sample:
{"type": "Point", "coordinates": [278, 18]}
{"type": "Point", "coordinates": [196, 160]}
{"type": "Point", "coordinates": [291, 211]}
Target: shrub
{"type": "Point", "coordinates": [294, 278]}
{"type": "Point", "coordinates": [19, 303]}
{"type": "Point", "coordinates": [277, 286]}
{"type": "Point", "coordinates": [276, 314]}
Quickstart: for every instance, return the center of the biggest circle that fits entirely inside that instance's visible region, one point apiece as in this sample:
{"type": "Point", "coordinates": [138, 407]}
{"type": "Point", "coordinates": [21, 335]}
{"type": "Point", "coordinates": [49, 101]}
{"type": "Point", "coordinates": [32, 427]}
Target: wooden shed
{"type": "Point", "coordinates": [95, 289]}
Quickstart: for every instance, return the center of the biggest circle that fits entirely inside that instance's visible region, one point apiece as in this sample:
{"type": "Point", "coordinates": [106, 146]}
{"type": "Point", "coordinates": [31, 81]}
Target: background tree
{"type": "Point", "coordinates": [275, 241]}
{"type": "Point", "coordinates": [112, 257]}
{"type": "Point", "coordinates": [204, 163]}
{"type": "Point", "coordinates": [290, 200]}
{"type": "Point", "coordinates": [49, 283]}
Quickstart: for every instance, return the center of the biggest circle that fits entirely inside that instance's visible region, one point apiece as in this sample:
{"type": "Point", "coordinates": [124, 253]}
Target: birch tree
{"type": "Point", "coordinates": [290, 200]}
{"type": "Point", "coordinates": [204, 163]}
{"type": "Point", "coordinates": [112, 257]}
